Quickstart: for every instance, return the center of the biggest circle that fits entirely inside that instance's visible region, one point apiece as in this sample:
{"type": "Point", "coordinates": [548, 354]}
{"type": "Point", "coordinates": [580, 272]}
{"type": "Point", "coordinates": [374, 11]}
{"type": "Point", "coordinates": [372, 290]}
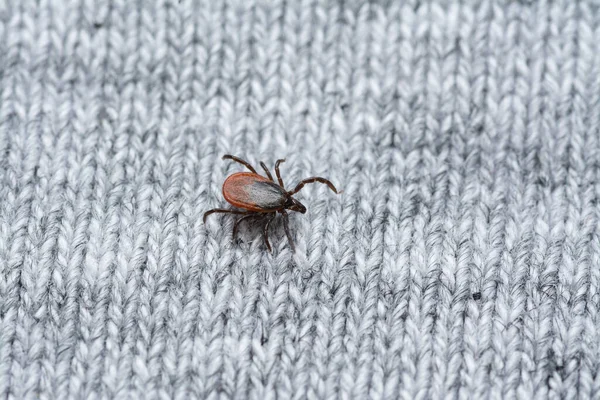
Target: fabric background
{"type": "Point", "coordinates": [461, 261]}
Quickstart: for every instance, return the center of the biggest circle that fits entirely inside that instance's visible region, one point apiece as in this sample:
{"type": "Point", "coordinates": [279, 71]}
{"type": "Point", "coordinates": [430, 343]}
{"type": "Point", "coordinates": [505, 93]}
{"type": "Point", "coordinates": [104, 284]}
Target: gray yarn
{"type": "Point", "coordinates": [461, 261]}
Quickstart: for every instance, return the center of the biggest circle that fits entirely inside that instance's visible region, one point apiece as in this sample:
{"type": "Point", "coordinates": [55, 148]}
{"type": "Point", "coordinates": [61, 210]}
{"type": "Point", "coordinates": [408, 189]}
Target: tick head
{"type": "Point", "coordinates": [295, 205]}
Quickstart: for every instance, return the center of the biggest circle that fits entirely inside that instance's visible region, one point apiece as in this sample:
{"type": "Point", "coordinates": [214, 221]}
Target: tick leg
{"type": "Point", "coordinates": [223, 211]}
{"type": "Point", "coordinates": [236, 226]}
{"type": "Point", "coordinates": [286, 227]}
{"type": "Point", "coordinates": [277, 172]}
{"type": "Point", "coordinates": [262, 164]}
{"type": "Point", "coordinates": [237, 159]}
{"type": "Point", "coordinates": [266, 231]}
{"type": "Point", "coordinates": [311, 180]}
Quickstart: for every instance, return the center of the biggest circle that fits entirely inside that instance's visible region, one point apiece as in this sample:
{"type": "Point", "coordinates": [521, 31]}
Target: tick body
{"type": "Point", "coordinates": [253, 192]}
{"type": "Point", "coordinates": [260, 197]}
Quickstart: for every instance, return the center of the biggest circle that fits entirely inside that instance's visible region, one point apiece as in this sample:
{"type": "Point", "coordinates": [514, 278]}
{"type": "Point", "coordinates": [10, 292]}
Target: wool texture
{"type": "Point", "coordinates": [461, 261]}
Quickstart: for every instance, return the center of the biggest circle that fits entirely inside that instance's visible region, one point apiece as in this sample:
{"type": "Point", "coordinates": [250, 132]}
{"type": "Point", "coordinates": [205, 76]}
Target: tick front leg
{"type": "Point", "coordinates": [239, 160]}
{"type": "Point", "coordinates": [286, 227]}
{"type": "Point", "coordinates": [311, 180]}
{"type": "Point", "coordinates": [266, 231]}
{"type": "Point", "coordinates": [223, 211]}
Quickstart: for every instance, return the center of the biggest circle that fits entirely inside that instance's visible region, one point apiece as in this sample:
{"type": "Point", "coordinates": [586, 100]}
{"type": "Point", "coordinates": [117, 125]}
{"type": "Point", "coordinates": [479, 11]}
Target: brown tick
{"type": "Point", "coordinates": [261, 197]}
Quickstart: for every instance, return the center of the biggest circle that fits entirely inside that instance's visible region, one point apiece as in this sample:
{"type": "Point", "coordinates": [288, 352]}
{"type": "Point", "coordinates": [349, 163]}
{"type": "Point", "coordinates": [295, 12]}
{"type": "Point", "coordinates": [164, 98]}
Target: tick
{"type": "Point", "coordinates": [262, 198]}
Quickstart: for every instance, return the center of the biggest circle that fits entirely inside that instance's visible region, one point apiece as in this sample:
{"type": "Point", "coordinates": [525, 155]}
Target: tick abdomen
{"type": "Point", "coordinates": [253, 192]}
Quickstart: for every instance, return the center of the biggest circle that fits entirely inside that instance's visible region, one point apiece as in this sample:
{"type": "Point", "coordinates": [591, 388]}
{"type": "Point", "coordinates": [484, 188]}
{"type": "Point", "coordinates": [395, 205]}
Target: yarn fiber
{"type": "Point", "coordinates": [461, 261]}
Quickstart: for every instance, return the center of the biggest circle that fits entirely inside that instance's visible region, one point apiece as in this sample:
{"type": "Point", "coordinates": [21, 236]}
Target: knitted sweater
{"type": "Point", "coordinates": [461, 261]}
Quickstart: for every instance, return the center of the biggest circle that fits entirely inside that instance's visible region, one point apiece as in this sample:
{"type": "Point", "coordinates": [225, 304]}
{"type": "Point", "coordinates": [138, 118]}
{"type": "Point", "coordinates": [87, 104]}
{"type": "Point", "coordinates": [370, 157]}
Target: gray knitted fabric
{"type": "Point", "coordinates": [461, 261]}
